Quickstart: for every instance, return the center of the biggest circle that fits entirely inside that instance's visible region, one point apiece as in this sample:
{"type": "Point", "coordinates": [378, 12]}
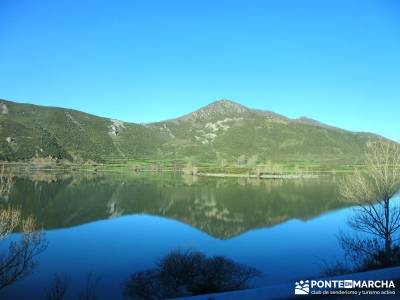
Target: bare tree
{"type": "Point", "coordinates": [58, 288]}
{"type": "Point", "coordinates": [89, 291]}
{"type": "Point", "coordinates": [6, 182]}
{"type": "Point", "coordinates": [186, 273]}
{"type": "Point", "coordinates": [190, 169]}
{"type": "Point", "coordinates": [373, 189]}
{"type": "Point", "coordinates": [19, 260]}
{"type": "Point", "coordinates": [10, 218]}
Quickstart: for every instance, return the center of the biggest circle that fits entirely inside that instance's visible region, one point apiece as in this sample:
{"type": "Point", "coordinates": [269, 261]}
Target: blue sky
{"type": "Point", "coordinates": [140, 61]}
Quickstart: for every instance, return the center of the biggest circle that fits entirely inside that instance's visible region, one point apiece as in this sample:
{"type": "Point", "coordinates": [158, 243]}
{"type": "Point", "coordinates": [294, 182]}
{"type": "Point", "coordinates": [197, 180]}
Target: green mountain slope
{"type": "Point", "coordinates": [224, 132]}
{"type": "Point", "coordinates": [28, 131]}
{"type": "Point", "coordinates": [231, 131]}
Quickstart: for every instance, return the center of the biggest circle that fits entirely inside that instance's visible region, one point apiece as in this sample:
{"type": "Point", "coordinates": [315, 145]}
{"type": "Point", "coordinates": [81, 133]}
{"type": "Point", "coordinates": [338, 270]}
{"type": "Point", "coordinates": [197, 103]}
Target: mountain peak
{"type": "Point", "coordinates": [227, 104]}
{"type": "Point", "coordinates": [216, 109]}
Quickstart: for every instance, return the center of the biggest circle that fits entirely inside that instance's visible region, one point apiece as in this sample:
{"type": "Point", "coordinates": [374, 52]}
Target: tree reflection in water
{"type": "Point", "coordinates": [59, 288]}
{"type": "Point", "coordinates": [18, 261]}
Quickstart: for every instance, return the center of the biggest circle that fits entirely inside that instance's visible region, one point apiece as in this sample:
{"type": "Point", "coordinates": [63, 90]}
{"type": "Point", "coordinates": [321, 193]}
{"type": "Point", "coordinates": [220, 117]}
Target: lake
{"type": "Point", "coordinates": [113, 225]}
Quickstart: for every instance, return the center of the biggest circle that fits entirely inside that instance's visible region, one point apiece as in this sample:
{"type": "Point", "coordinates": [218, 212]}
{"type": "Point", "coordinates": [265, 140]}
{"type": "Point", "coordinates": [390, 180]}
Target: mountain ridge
{"type": "Point", "coordinates": [268, 113]}
{"type": "Point", "coordinates": [256, 110]}
{"type": "Point", "coordinates": [220, 131]}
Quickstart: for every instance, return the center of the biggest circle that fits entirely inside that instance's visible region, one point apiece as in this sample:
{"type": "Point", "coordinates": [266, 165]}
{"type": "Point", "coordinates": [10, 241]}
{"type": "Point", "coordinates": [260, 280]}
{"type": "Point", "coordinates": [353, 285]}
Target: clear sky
{"type": "Point", "coordinates": [334, 61]}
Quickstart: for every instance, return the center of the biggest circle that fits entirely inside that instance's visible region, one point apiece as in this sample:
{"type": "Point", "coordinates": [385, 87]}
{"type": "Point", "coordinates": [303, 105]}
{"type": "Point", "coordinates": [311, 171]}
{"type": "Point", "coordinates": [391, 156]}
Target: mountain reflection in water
{"type": "Point", "coordinates": [222, 208]}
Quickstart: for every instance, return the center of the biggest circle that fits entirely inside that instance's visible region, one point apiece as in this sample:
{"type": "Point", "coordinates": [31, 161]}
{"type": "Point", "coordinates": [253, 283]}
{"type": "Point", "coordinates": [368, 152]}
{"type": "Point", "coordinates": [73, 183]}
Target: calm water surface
{"type": "Point", "coordinates": [114, 225]}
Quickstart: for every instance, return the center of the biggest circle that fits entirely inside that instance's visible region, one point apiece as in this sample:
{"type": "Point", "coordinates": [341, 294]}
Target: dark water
{"type": "Point", "coordinates": [112, 226]}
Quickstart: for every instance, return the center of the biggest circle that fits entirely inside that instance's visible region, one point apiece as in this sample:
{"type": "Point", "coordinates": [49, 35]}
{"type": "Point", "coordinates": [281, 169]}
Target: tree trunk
{"type": "Point", "coordinates": [388, 238]}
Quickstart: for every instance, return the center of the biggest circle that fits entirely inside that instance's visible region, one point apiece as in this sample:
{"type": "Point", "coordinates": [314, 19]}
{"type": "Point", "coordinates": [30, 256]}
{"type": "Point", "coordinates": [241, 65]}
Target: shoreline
{"type": "Point", "coordinates": [272, 176]}
{"type": "Point", "coordinates": [23, 167]}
